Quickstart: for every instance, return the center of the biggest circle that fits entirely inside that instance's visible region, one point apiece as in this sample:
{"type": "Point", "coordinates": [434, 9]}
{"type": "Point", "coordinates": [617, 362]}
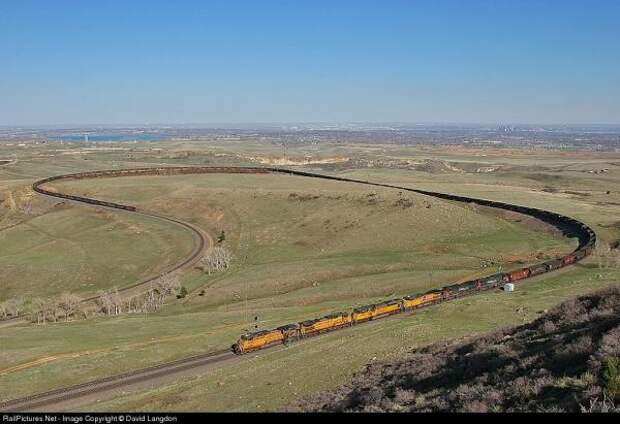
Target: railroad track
{"type": "Point", "coordinates": [202, 241]}
{"type": "Point", "coordinates": [569, 226]}
{"type": "Point", "coordinates": [109, 383]}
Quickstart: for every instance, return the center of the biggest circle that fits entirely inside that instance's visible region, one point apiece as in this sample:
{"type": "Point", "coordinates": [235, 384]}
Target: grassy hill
{"type": "Point", "coordinates": [303, 248]}
{"type": "Point", "coordinates": [566, 360]}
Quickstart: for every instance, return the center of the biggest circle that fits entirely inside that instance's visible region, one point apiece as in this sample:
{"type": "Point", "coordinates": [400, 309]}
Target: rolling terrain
{"type": "Point", "coordinates": [339, 266]}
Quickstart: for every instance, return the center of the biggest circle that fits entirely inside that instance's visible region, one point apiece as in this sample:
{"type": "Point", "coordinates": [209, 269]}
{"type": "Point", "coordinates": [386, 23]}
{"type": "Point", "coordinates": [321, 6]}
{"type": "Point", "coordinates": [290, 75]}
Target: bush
{"type": "Point", "coordinates": [182, 292]}
{"type": "Point", "coordinates": [611, 377]}
{"type": "Point", "coordinates": [217, 260]}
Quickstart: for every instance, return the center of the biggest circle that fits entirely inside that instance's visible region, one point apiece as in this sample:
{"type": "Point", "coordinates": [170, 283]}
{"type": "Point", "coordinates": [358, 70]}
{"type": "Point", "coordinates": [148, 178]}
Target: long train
{"type": "Point", "coordinates": [291, 332]}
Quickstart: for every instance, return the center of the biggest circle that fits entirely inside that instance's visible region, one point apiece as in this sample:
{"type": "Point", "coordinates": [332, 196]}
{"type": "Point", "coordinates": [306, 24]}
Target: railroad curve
{"type": "Point", "coordinates": [202, 242]}
{"type": "Point", "coordinates": [569, 226]}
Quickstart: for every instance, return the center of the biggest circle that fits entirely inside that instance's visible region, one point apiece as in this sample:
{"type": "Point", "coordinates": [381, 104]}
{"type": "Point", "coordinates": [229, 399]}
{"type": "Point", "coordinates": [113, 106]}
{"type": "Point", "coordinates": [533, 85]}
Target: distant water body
{"type": "Point", "coordinates": [110, 137]}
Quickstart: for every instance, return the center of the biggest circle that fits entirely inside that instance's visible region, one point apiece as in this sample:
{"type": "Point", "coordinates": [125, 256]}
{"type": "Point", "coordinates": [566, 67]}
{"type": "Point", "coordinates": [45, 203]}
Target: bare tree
{"type": "Point", "coordinates": [38, 310]}
{"type": "Point", "coordinates": [217, 260]}
{"type": "Point", "coordinates": [116, 302]}
{"type": "Point", "coordinates": [67, 304]}
{"type": "Point", "coordinates": [168, 285]}
{"type": "Point", "coordinates": [607, 257]}
{"type": "Point", "coordinates": [14, 306]}
{"type": "Point", "coordinates": [151, 299]}
{"type": "Point", "coordinates": [104, 301]}
{"type": "Point", "coordinates": [84, 310]}
{"type": "Point", "coordinates": [51, 310]}
{"type": "Point", "coordinates": [131, 304]}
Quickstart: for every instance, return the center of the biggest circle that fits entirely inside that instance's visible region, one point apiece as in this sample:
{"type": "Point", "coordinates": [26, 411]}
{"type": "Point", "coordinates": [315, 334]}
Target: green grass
{"type": "Point", "coordinates": [81, 250]}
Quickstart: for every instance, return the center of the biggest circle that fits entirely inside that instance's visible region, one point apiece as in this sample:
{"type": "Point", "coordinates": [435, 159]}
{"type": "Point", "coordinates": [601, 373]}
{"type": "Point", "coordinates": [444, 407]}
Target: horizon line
{"type": "Point", "coordinates": [298, 123]}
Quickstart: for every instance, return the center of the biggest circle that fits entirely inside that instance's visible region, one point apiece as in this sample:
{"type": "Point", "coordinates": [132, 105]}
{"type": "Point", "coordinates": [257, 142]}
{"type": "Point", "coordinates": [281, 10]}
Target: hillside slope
{"type": "Point", "coordinates": [566, 360]}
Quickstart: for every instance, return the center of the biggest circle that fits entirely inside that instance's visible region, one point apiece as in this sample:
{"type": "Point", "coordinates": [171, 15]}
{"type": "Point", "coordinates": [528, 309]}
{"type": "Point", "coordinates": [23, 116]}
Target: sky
{"type": "Point", "coordinates": [440, 61]}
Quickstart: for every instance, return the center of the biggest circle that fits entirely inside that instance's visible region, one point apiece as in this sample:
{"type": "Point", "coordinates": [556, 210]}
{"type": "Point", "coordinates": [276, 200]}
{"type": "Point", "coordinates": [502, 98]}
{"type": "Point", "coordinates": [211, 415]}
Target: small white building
{"type": "Point", "coordinates": [509, 287]}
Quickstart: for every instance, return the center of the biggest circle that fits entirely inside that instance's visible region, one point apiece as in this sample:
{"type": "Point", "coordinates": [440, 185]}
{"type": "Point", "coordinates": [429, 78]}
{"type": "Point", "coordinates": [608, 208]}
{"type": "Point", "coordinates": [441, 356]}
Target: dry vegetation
{"type": "Point", "coordinates": [567, 360]}
{"type": "Point", "coordinates": [69, 306]}
{"type": "Point", "coordinates": [217, 260]}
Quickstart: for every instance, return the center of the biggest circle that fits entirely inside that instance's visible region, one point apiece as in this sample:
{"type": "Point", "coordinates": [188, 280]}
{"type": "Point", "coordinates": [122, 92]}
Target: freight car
{"type": "Point", "coordinates": [568, 260]}
{"type": "Point", "coordinates": [538, 269]}
{"type": "Point", "coordinates": [519, 274]}
{"type": "Point", "coordinates": [554, 264]}
{"type": "Point", "coordinates": [493, 281]}
{"type": "Point", "coordinates": [457, 290]}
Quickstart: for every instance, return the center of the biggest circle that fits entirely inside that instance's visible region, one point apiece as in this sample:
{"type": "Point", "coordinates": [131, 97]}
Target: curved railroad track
{"type": "Point", "coordinates": [569, 226]}
{"type": "Point", "coordinates": [202, 242]}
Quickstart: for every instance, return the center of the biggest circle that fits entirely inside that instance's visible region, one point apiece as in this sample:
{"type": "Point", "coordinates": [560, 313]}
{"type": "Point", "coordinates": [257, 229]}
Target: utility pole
{"type": "Point", "coordinates": [246, 319]}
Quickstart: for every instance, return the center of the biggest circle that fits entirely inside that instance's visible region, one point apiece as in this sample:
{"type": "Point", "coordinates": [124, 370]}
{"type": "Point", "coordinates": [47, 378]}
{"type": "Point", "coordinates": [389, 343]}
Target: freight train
{"type": "Point", "coordinates": [291, 332]}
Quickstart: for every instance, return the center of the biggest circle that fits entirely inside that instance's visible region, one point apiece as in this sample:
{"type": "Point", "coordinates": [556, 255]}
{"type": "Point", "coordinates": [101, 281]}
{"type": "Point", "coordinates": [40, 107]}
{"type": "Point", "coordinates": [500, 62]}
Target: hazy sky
{"type": "Point", "coordinates": [507, 61]}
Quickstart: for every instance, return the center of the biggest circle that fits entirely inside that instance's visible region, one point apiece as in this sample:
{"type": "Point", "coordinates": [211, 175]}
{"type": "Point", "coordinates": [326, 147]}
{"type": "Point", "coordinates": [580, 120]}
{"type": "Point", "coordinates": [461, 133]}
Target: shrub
{"type": "Point", "coordinates": [217, 260]}
{"type": "Point", "coordinates": [182, 292]}
{"type": "Point", "coordinates": [611, 378]}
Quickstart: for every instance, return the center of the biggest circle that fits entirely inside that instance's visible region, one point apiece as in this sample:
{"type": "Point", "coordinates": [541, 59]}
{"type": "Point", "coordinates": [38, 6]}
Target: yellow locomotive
{"type": "Point", "coordinates": [282, 335]}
